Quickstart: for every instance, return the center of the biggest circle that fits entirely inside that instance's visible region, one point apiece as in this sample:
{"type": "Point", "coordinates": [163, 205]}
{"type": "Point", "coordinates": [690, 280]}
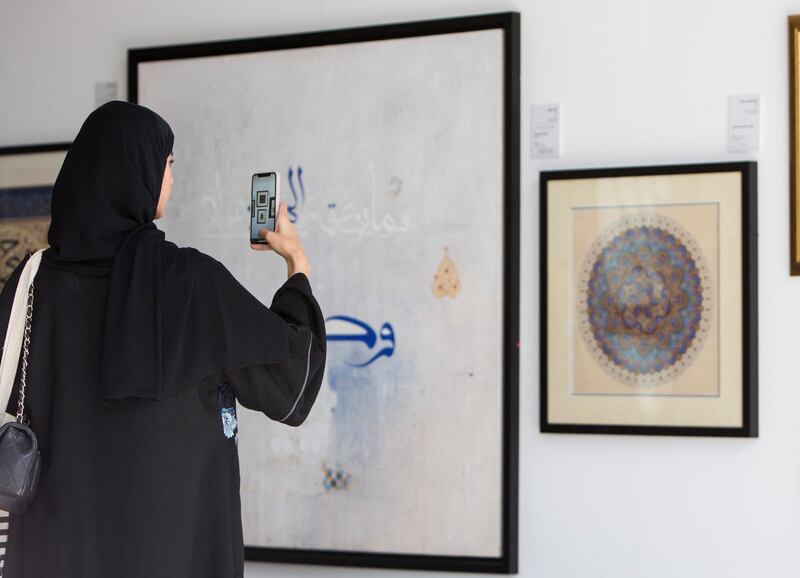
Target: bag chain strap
{"type": "Point", "coordinates": [25, 344]}
{"type": "Point", "coordinates": [21, 401]}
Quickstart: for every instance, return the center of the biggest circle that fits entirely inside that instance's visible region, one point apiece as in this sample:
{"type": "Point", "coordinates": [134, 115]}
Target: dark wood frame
{"type": "Point", "coordinates": [749, 427]}
{"type": "Point", "coordinates": [794, 165]}
{"type": "Point", "coordinates": [509, 22]}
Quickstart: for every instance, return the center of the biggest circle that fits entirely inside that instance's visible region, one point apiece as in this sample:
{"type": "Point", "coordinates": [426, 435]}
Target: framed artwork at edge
{"type": "Point", "coordinates": [27, 175]}
{"type": "Point", "coordinates": [794, 148]}
{"type": "Point", "coordinates": [409, 457]}
{"type": "Point", "coordinates": [649, 305]}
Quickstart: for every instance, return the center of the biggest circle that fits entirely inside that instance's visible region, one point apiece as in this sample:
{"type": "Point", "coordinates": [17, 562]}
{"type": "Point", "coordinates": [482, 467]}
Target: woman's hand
{"type": "Point", "coordinates": [285, 242]}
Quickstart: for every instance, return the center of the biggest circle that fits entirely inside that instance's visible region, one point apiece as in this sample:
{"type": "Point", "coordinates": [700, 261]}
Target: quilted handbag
{"type": "Point", "coordinates": [20, 460]}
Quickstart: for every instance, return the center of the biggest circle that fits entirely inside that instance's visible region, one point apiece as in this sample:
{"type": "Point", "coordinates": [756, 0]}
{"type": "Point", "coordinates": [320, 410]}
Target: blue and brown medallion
{"type": "Point", "coordinates": [644, 300]}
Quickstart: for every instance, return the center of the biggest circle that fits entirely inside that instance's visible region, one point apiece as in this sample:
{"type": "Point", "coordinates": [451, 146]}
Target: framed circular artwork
{"type": "Point", "coordinates": [649, 300]}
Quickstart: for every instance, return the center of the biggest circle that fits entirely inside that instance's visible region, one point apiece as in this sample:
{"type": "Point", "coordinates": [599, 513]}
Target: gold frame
{"type": "Point", "coordinates": [794, 152]}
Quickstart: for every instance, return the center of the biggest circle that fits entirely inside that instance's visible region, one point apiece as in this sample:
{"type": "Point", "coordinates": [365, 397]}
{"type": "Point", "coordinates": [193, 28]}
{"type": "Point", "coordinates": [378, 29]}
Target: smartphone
{"type": "Point", "coordinates": [265, 198]}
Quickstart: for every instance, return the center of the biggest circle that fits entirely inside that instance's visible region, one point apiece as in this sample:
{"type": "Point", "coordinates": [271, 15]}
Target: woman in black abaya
{"type": "Point", "coordinates": [139, 352]}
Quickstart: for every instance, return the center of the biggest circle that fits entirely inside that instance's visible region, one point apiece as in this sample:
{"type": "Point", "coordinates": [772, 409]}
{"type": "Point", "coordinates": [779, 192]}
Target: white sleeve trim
{"type": "Point", "coordinates": [305, 381]}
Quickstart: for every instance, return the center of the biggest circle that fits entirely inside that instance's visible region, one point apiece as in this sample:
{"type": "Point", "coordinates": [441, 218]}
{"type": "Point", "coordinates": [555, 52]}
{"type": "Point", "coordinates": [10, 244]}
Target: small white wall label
{"type": "Point", "coordinates": [546, 131]}
{"type": "Point", "coordinates": [744, 123]}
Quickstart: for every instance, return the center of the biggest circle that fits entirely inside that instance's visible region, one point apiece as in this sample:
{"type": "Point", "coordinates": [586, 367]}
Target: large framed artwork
{"type": "Point", "coordinates": [27, 174]}
{"type": "Point", "coordinates": [794, 149]}
{"type": "Point", "coordinates": [398, 146]}
{"type": "Point", "coordinates": [649, 306]}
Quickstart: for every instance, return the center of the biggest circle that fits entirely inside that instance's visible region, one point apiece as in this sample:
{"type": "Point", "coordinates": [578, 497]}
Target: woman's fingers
{"type": "Point", "coordinates": [283, 230]}
{"type": "Point", "coordinates": [281, 216]}
{"type": "Point", "coordinates": [261, 246]}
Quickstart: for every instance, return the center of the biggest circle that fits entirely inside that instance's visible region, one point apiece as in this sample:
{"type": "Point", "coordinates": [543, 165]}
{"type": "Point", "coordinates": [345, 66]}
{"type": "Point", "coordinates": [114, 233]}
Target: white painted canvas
{"type": "Point", "coordinates": [391, 157]}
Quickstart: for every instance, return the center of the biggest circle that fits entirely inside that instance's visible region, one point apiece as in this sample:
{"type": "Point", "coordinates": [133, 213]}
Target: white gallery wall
{"type": "Point", "coordinates": [641, 82]}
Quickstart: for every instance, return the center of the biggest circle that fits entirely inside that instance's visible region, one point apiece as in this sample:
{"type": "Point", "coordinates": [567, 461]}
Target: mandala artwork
{"type": "Point", "coordinates": [645, 300]}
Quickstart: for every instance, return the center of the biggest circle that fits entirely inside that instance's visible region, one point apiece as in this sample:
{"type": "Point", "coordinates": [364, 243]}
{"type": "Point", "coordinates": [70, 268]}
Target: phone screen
{"type": "Point", "coordinates": [263, 205]}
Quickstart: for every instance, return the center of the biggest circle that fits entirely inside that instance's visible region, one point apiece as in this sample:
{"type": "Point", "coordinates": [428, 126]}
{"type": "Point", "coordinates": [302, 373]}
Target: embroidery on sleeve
{"type": "Point", "coordinates": [227, 408]}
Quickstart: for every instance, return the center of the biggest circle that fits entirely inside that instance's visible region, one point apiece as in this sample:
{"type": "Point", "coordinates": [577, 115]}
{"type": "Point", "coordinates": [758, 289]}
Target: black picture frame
{"type": "Point", "coordinates": [749, 280]}
{"type": "Point", "coordinates": [509, 23]}
{"type": "Point", "coordinates": [34, 148]}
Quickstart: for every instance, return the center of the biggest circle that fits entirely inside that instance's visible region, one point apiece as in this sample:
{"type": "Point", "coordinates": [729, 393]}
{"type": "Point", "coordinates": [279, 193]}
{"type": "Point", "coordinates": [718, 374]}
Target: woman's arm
{"type": "Point", "coordinates": [285, 392]}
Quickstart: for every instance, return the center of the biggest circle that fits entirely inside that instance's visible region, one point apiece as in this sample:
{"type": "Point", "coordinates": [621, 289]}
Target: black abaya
{"type": "Point", "coordinates": [142, 489]}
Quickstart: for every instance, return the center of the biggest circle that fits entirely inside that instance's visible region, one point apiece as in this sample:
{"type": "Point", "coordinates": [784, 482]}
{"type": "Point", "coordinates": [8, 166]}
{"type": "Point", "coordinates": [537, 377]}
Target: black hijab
{"type": "Point", "coordinates": [174, 315]}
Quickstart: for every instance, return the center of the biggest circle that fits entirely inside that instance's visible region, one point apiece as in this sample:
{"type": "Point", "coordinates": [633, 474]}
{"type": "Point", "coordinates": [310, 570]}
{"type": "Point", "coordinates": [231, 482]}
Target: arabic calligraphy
{"type": "Point", "coordinates": [369, 337]}
{"type": "Point", "coordinates": [359, 219]}
{"type": "Point", "coordinates": [292, 208]}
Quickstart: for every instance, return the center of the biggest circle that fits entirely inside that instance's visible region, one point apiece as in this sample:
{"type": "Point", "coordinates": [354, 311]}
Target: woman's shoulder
{"type": "Point", "coordinates": [186, 254]}
{"type": "Point", "coordinates": [204, 265]}
{"type": "Point", "coordinates": [186, 251]}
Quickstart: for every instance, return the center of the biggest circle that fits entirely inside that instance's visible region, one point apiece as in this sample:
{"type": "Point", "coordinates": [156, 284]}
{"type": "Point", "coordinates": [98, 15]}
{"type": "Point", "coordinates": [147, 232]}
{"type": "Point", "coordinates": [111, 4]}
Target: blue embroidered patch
{"type": "Point", "coordinates": [227, 408]}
